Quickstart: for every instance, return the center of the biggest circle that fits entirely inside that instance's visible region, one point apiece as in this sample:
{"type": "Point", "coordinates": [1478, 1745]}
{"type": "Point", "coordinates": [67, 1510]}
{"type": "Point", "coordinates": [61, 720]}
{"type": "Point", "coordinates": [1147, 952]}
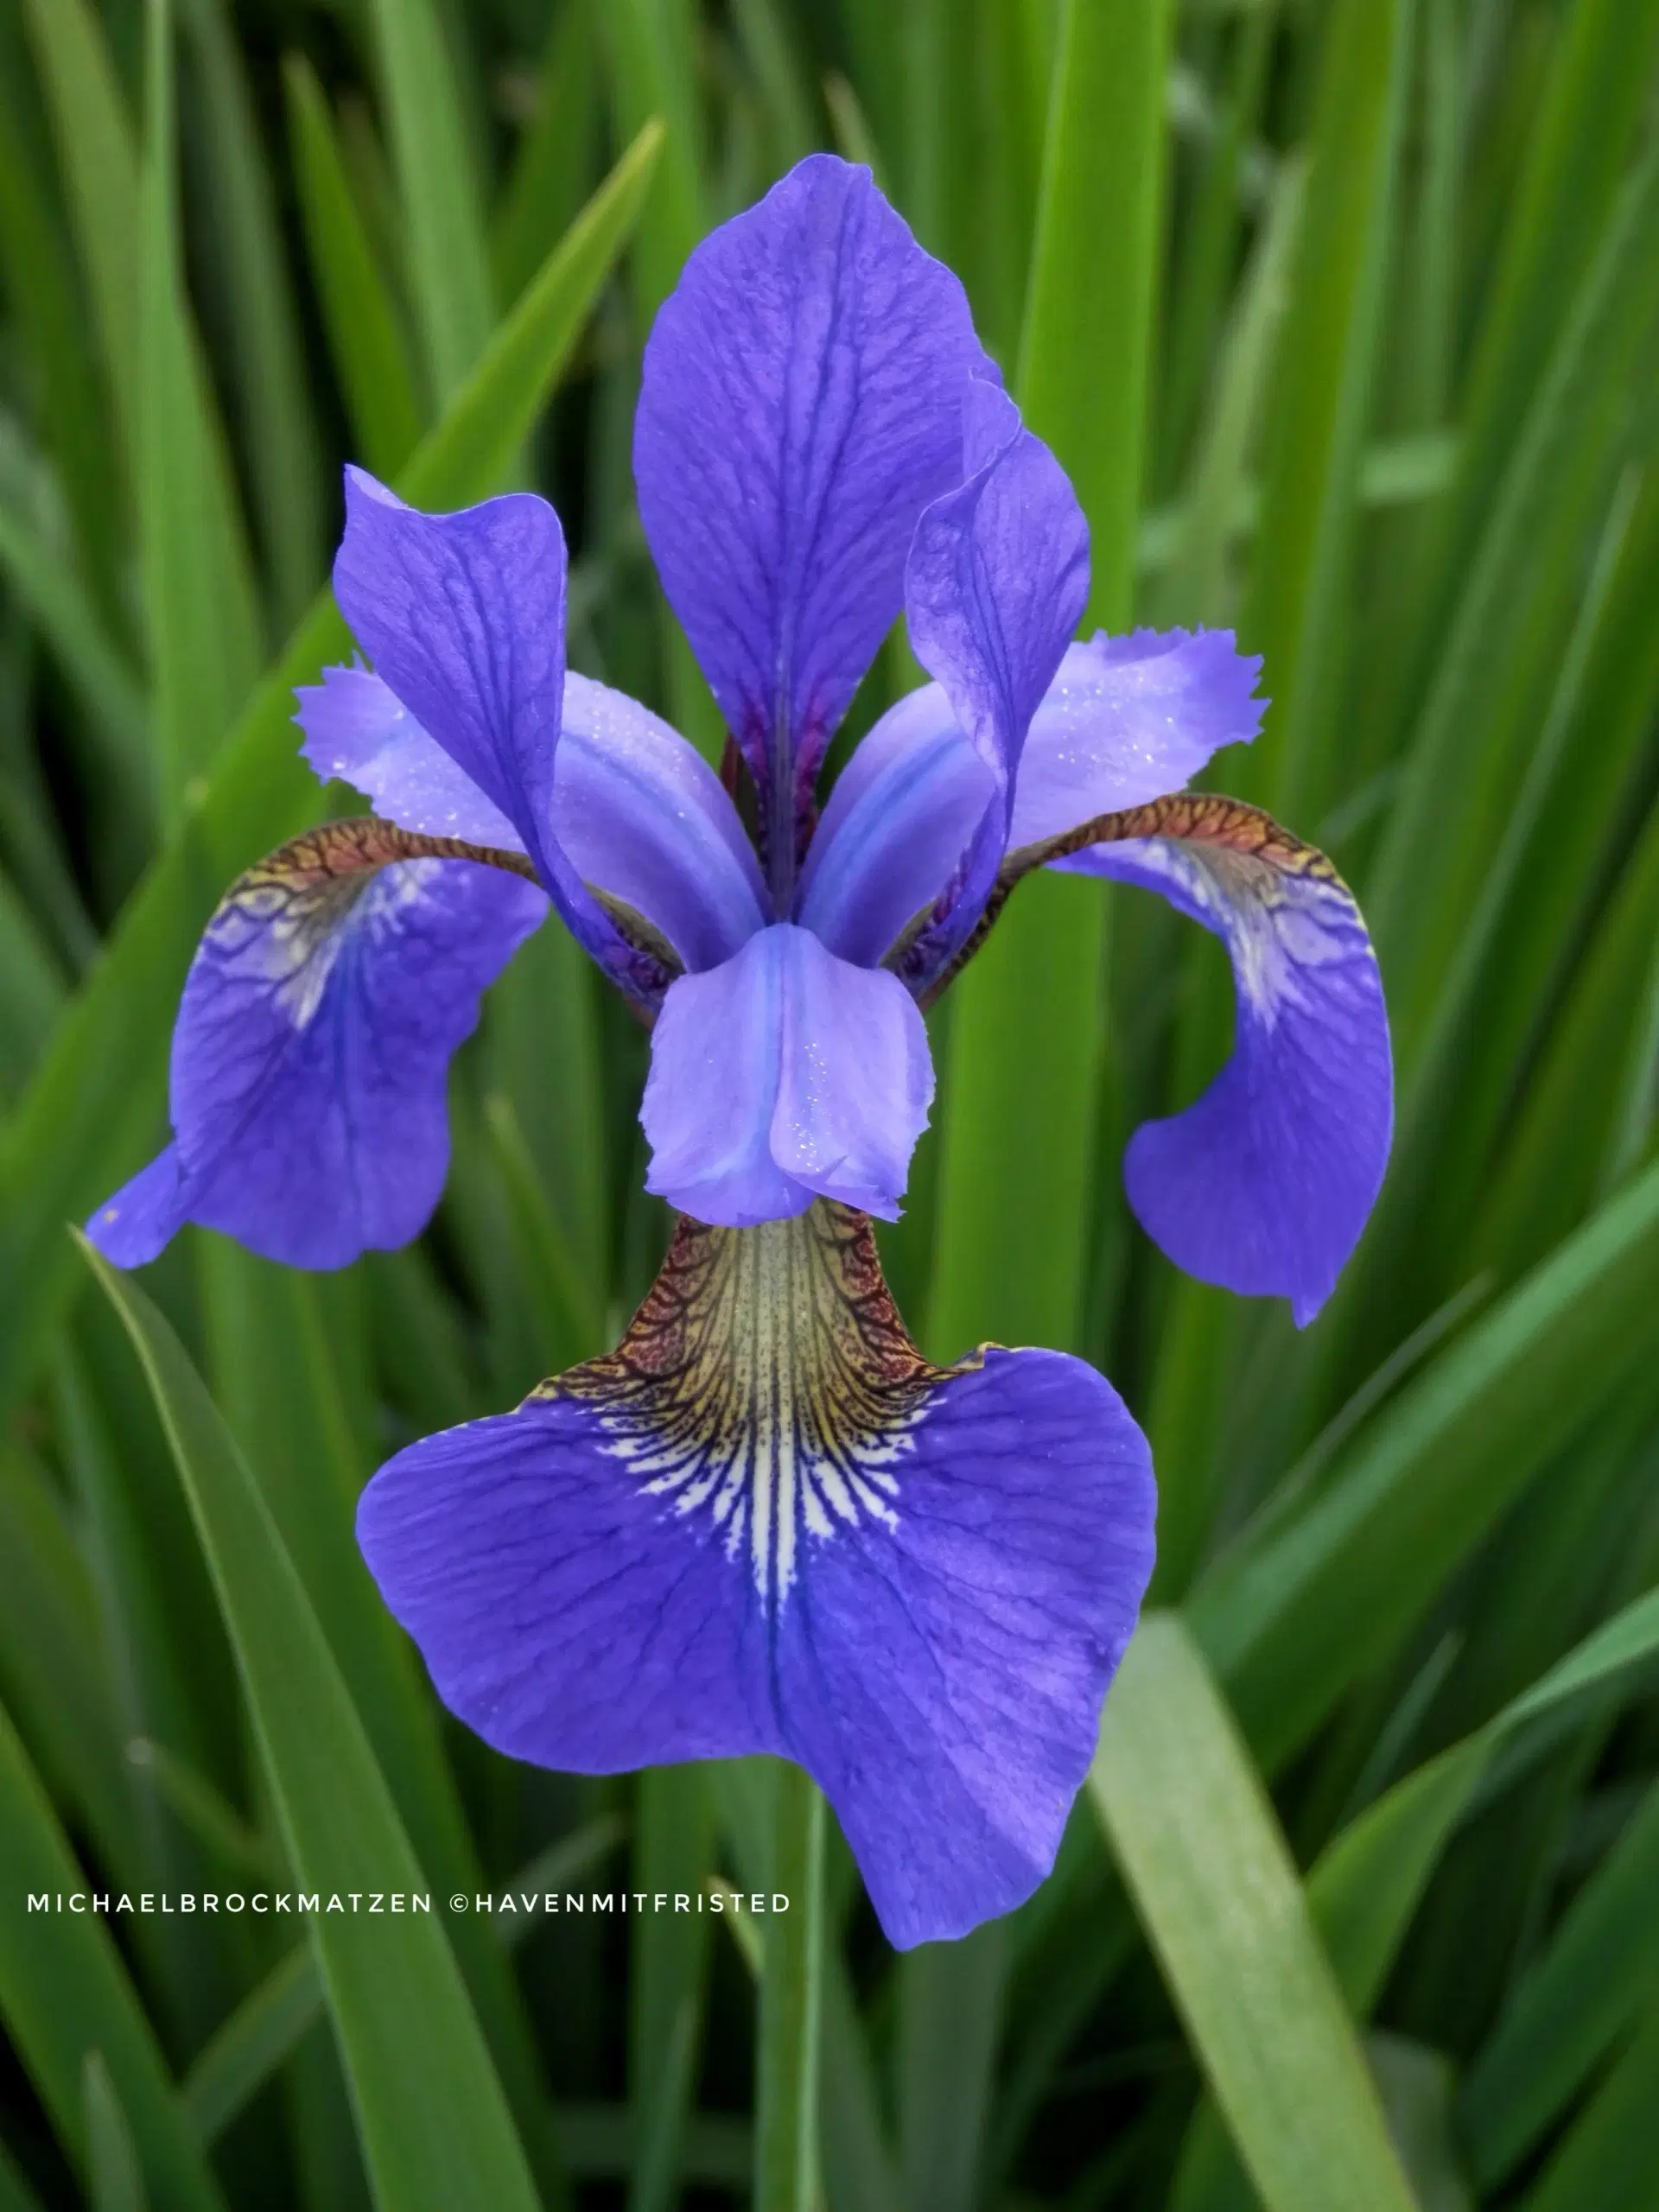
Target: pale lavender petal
{"type": "Point", "coordinates": [644, 817]}
{"type": "Point", "coordinates": [783, 1073]}
{"type": "Point", "coordinates": [997, 578]}
{"type": "Point", "coordinates": [636, 808]}
{"type": "Point", "coordinates": [898, 818]}
{"type": "Point", "coordinates": [463, 617]}
{"type": "Point", "coordinates": [855, 1078]}
{"type": "Point", "coordinates": [638, 812]}
{"type": "Point", "coordinates": [712, 1089]}
{"type": "Point", "coordinates": [1127, 720]}
{"type": "Point", "coordinates": [1264, 1185]}
{"type": "Point", "coordinates": [311, 1055]}
{"type": "Point", "coordinates": [358, 731]}
{"type": "Point", "coordinates": [800, 406]}
{"type": "Point", "coordinates": [765, 1525]}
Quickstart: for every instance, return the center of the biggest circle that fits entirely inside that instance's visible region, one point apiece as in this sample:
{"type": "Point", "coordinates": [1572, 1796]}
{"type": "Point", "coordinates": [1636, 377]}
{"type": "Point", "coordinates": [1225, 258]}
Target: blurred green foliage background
{"type": "Point", "coordinates": [1341, 313]}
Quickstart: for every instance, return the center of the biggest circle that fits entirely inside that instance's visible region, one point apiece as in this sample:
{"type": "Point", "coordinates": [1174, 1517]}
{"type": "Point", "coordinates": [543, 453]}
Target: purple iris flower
{"type": "Point", "coordinates": [764, 1523]}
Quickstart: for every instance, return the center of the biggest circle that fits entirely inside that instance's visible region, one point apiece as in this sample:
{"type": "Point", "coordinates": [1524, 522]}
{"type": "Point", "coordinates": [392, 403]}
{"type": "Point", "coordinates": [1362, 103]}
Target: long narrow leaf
{"type": "Point", "coordinates": [203, 628]}
{"type": "Point", "coordinates": [64, 1992]}
{"type": "Point", "coordinates": [435, 2125]}
{"type": "Point", "coordinates": [98, 154]}
{"type": "Point", "coordinates": [1017, 1126]}
{"type": "Point", "coordinates": [279, 432]}
{"type": "Point", "coordinates": [117, 2183]}
{"type": "Point", "coordinates": [1366, 1886]}
{"type": "Point", "coordinates": [1219, 1896]}
{"type": "Point", "coordinates": [439, 186]}
{"type": "Point", "coordinates": [370, 357]}
{"type": "Point", "coordinates": [1290, 1623]}
{"type": "Point", "coordinates": [1323, 392]}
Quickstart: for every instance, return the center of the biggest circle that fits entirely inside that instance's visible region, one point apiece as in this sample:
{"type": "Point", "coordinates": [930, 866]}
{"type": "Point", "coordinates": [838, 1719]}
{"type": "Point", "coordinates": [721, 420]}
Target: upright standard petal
{"type": "Point", "coordinates": [799, 407]}
{"type": "Point", "coordinates": [638, 814]}
{"type": "Point", "coordinates": [463, 617]}
{"type": "Point", "coordinates": [313, 1046]}
{"type": "Point", "coordinates": [784, 1073]}
{"type": "Point", "coordinates": [765, 1524]}
{"type": "Point", "coordinates": [1264, 1185]}
{"type": "Point", "coordinates": [996, 581]}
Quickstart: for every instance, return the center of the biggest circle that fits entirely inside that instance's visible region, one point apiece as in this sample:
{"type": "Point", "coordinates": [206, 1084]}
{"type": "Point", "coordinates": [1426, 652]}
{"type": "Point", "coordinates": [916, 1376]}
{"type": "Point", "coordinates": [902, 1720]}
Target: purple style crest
{"type": "Point", "coordinates": [764, 1523]}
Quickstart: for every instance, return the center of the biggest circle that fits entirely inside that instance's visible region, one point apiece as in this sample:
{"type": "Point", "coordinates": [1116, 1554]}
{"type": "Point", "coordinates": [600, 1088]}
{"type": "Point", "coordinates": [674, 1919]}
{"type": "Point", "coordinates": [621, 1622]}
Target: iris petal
{"type": "Point", "coordinates": [311, 1050]}
{"type": "Point", "coordinates": [765, 1524]}
{"type": "Point", "coordinates": [138, 1223]}
{"type": "Point", "coordinates": [644, 816]}
{"type": "Point", "coordinates": [996, 580]}
{"type": "Point", "coordinates": [799, 407]}
{"type": "Point", "coordinates": [1127, 720]}
{"type": "Point", "coordinates": [785, 1072]}
{"type": "Point", "coordinates": [898, 818]}
{"type": "Point", "coordinates": [1264, 1185]}
{"type": "Point", "coordinates": [635, 810]}
{"type": "Point", "coordinates": [463, 617]}
{"type": "Point", "coordinates": [358, 731]}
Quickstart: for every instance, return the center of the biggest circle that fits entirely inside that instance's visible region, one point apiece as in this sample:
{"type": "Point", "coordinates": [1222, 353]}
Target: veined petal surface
{"type": "Point", "coordinates": [997, 579]}
{"type": "Point", "coordinates": [358, 731]}
{"type": "Point", "coordinates": [799, 407]}
{"type": "Point", "coordinates": [765, 1524]}
{"type": "Point", "coordinates": [311, 1054]}
{"type": "Point", "coordinates": [1264, 1184]}
{"type": "Point", "coordinates": [463, 617]}
{"type": "Point", "coordinates": [1125, 720]}
{"type": "Point", "coordinates": [783, 1073]}
{"type": "Point", "coordinates": [638, 812]}
{"type": "Point", "coordinates": [1129, 720]}
{"type": "Point", "coordinates": [898, 818]}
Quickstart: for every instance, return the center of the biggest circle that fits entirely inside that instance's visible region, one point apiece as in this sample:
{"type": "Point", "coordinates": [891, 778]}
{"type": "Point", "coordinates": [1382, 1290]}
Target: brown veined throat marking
{"type": "Point", "coordinates": [768, 1384]}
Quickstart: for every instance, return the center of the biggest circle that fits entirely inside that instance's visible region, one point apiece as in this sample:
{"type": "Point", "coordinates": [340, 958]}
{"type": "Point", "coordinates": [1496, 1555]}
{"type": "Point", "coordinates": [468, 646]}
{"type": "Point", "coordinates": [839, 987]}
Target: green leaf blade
{"type": "Point", "coordinates": [438, 183]}
{"type": "Point", "coordinates": [434, 2124]}
{"type": "Point", "coordinates": [64, 1992]}
{"type": "Point", "coordinates": [1218, 1895]}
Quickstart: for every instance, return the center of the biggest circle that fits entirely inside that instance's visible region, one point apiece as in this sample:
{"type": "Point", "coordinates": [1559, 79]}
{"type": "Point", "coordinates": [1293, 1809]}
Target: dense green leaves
{"type": "Point", "coordinates": [437, 176]}
{"type": "Point", "coordinates": [1290, 1617]}
{"type": "Point", "coordinates": [1018, 1124]}
{"type": "Point", "coordinates": [370, 356]}
{"type": "Point", "coordinates": [95, 1103]}
{"type": "Point", "coordinates": [1322, 395]}
{"type": "Point", "coordinates": [204, 650]}
{"type": "Point", "coordinates": [65, 1994]}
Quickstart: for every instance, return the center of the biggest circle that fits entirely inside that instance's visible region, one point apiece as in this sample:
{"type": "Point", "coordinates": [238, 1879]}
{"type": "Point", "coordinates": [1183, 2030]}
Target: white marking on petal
{"type": "Point", "coordinates": [288, 929]}
{"type": "Point", "coordinates": [783, 1407]}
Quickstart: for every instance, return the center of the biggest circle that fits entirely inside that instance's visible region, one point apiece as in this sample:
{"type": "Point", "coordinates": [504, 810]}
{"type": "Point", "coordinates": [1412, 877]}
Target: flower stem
{"type": "Point", "coordinates": [787, 2151]}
